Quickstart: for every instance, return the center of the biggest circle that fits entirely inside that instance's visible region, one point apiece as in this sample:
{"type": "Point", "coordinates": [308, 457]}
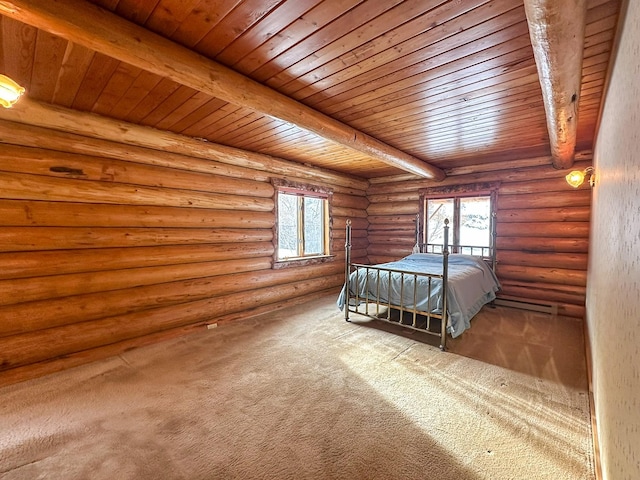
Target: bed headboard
{"type": "Point", "coordinates": [488, 254]}
{"type": "Point", "coordinates": [485, 252]}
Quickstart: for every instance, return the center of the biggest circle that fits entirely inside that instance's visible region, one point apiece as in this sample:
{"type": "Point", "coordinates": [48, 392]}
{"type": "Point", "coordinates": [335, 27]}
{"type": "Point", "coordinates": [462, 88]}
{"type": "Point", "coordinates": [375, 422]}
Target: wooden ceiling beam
{"type": "Point", "coordinates": [88, 25]}
{"type": "Point", "coordinates": [557, 31]}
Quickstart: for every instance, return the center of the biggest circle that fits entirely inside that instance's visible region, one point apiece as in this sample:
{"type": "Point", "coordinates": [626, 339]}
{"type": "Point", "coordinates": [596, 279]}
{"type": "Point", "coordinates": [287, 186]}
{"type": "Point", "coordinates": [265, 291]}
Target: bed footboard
{"type": "Point", "coordinates": [413, 300]}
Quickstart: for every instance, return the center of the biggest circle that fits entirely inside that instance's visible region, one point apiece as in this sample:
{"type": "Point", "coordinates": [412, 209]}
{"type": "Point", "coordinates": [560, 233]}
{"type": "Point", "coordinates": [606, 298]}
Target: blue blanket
{"type": "Point", "coordinates": [471, 284]}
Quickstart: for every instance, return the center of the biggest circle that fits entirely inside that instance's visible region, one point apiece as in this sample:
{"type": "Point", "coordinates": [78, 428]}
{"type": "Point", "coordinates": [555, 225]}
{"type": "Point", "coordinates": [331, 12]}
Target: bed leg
{"type": "Point", "coordinates": [347, 269]}
{"type": "Point", "coordinates": [345, 305]}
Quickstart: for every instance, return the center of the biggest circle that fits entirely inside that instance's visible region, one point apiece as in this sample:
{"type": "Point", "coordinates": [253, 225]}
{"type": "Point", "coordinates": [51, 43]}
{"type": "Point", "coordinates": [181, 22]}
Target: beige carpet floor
{"type": "Point", "coordinates": [296, 394]}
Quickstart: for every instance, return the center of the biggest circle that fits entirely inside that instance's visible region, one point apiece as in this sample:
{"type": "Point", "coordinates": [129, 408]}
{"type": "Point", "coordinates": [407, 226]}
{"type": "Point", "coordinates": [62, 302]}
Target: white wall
{"type": "Point", "coordinates": [613, 289]}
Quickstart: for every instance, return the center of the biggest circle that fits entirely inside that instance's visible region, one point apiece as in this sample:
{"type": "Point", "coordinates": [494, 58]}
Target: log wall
{"type": "Point", "coordinates": [542, 230]}
{"type": "Point", "coordinates": [106, 246]}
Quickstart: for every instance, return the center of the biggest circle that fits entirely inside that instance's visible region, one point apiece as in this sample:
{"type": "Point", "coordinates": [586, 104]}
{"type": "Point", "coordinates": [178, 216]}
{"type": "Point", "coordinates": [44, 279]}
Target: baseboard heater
{"type": "Point", "coordinates": [528, 304]}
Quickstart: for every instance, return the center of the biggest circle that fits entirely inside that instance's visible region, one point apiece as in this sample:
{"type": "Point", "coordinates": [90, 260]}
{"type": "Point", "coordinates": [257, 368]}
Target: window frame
{"type": "Point", "coordinates": [456, 194]}
{"type": "Point", "coordinates": [302, 191]}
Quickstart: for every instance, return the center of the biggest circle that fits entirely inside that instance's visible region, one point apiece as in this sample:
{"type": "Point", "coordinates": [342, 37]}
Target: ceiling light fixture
{"type": "Point", "coordinates": [10, 91]}
{"type": "Point", "coordinates": [576, 178]}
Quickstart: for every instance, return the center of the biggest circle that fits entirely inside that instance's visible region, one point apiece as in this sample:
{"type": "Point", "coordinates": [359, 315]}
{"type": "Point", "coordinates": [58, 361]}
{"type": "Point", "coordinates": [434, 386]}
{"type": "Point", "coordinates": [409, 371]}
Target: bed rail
{"type": "Point", "coordinates": [374, 305]}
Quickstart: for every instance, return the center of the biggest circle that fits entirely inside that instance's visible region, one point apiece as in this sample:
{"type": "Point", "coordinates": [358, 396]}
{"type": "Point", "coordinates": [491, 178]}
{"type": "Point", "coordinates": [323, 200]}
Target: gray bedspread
{"type": "Point", "coordinates": [471, 284]}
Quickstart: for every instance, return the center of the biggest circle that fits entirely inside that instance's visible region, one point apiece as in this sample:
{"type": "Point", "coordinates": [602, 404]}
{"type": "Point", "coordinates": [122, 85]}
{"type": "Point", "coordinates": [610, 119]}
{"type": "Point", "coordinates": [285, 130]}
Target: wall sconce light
{"type": "Point", "coordinates": [576, 178]}
{"type": "Point", "coordinates": [10, 91]}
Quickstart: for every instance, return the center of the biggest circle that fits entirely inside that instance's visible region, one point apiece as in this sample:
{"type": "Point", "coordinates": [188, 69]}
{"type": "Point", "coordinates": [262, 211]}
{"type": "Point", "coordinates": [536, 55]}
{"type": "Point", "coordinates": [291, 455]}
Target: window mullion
{"type": "Point", "coordinates": [456, 223]}
{"type": "Point", "coordinates": [300, 226]}
{"type": "Point", "coordinates": [325, 227]}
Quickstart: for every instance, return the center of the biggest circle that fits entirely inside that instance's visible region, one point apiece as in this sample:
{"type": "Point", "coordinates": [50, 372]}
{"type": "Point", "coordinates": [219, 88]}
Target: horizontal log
{"type": "Point", "coordinates": [339, 223]}
{"type": "Point", "coordinates": [560, 276]}
{"type": "Point", "coordinates": [409, 219]}
{"type": "Point", "coordinates": [377, 259]}
{"type": "Point", "coordinates": [543, 161]}
{"type": "Point", "coordinates": [391, 240]}
{"type": "Point", "coordinates": [392, 197]}
{"type": "Point", "coordinates": [356, 242]}
{"type": "Point", "coordinates": [393, 208]}
{"type": "Point", "coordinates": [355, 232]}
{"type": "Point", "coordinates": [573, 261]}
{"type": "Point", "coordinates": [575, 290]}
{"type": "Point", "coordinates": [17, 239]}
{"type": "Point", "coordinates": [545, 295]}
{"type": "Point", "coordinates": [30, 289]}
{"type": "Point", "coordinates": [400, 183]}
{"type": "Point", "coordinates": [569, 310]}
{"type": "Point", "coordinates": [504, 176]}
{"type": "Point", "coordinates": [388, 251]}
{"type": "Point", "coordinates": [460, 189]}
{"type": "Point", "coordinates": [44, 263]}
{"type": "Point", "coordinates": [36, 187]}
{"type": "Point", "coordinates": [38, 161]}
{"type": "Point", "coordinates": [408, 229]}
{"type": "Point", "coordinates": [345, 189]}
{"type": "Point", "coordinates": [65, 214]}
{"type": "Point", "coordinates": [357, 256]}
{"type": "Point", "coordinates": [541, 244]}
{"type": "Point", "coordinates": [43, 314]}
{"type": "Point", "coordinates": [24, 135]}
{"type": "Point", "coordinates": [349, 201]}
{"type": "Point", "coordinates": [569, 198]}
{"type": "Point", "coordinates": [566, 214]}
{"type": "Point", "coordinates": [551, 229]}
{"type": "Point", "coordinates": [32, 347]}
{"type": "Point", "coordinates": [357, 245]}
{"type": "Point", "coordinates": [348, 212]}
{"type": "Point", "coordinates": [535, 186]}
{"type": "Point", "coordinates": [341, 233]}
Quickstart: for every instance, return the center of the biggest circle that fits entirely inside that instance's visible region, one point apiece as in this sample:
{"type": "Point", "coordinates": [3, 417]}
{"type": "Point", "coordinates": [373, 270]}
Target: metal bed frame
{"type": "Point", "coordinates": [408, 317]}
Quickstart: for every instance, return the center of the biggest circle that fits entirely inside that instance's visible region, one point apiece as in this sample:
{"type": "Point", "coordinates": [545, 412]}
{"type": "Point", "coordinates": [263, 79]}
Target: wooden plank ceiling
{"type": "Point", "coordinates": [451, 83]}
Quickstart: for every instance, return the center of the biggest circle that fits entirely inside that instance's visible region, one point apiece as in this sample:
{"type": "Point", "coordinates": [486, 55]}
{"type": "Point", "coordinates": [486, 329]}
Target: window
{"type": "Point", "coordinates": [470, 222]}
{"type": "Point", "coordinates": [302, 223]}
